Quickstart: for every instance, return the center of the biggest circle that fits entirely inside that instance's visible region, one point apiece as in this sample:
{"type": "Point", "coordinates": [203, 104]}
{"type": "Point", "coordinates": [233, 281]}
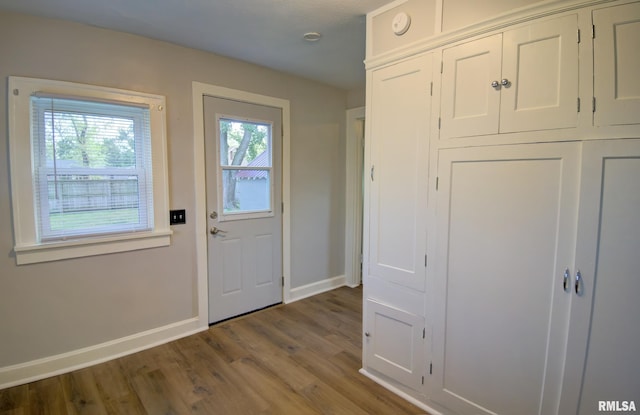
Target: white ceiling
{"type": "Point", "coordinates": [264, 32]}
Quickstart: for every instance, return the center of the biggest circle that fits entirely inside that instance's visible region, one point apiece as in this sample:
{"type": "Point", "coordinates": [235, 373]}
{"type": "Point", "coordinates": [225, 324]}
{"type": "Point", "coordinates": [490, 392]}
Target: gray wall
{"type": "Point", "coordinates": [55, 307]}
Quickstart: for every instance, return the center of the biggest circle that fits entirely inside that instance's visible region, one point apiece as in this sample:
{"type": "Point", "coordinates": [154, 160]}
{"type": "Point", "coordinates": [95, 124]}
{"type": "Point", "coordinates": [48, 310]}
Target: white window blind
{"type": "Point", "coordinates": [92, 162]}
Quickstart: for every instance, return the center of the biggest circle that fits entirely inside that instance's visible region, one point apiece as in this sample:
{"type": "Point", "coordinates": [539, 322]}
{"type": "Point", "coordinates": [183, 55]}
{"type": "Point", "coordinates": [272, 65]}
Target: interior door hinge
{"type": "Point", "coordinates": [593, 105]}
{"type": "Point", "coordinates": [578, 36]}
{"type": "Point", "coordinates": [282, 207]}
{"type": "Point", "coordinates": [441, 66]}
{"type": "Point", "coordinates": [423, 380]}
{"type": "Point", "coordinates": [437, 180]}
{"type": "Point", "coordinates": [430, 368]}
{"type": "Point", "coordinates": [593, 31]}
{"type": "Point", "coordinates": [282, 280]}
{"type": "Point", "coordinates": [431, 89]}
{"type": "Point", "coordinates": [425, 265]}
{"type": "Point", "coordinates": [439, 122]}
{"type": "Point", "coordinates": [424, 332]}
{"type": "Point", "coordinates": [578, 104]}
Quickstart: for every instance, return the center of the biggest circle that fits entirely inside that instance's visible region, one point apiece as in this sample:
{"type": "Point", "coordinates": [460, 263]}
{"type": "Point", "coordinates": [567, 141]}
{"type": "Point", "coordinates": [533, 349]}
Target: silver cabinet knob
{"type": "Point", "coordinates": [505, 83]}
{"type": "Point", "coordinates": [367, 334]}
{"type": "Point", "coordinates": [495, 84]}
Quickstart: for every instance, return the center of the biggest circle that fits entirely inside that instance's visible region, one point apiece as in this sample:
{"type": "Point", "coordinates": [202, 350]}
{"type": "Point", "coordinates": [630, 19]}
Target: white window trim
{"type": "Point", "coordinates": [27, 247]}
{"type": "Point", "coordinates": [245, 214]}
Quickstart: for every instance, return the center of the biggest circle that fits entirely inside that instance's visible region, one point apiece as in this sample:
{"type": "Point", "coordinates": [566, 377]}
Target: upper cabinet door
{"type": "Point", "coordinates": [617, 65]}
{"type": "Point", "coordinates": [540, 69]}
{"type": "Point", "coordinates": [398, 147]}
{"type": "Point", "coordinates": [470, 103]}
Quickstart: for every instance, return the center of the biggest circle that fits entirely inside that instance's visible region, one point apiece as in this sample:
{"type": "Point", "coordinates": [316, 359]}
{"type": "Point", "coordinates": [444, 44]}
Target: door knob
{"type": "Point", "coordinates": [215, 231]}
{"type": "Point", "coordinates": [213, 215]}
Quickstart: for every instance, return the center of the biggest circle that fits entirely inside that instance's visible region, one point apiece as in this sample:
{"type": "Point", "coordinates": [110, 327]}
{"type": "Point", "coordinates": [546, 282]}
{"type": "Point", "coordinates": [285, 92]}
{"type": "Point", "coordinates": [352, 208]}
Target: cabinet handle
{"type": "Point", "coordinates": [495, 84]}
{"type": "Point", "coordinates": [505, 83]}
{"type": "Point", "coordinates": [367, 334]}
{"type": "Point", "coordinates": [578, 282]}
{"type": "Point", "coordinates": [565, 280]}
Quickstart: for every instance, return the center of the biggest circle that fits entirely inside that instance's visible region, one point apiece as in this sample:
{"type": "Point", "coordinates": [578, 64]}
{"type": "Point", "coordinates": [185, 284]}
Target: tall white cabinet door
{"type": "Point", "coordinates": [398, 146]}
{"type": "Point", "coordinates": [506, 235]}
{"type": "Point", "coordinates": [540, 69]}
{"type": "Point", "coordinates": [617, 65]}
{"type": "Point", "coordinates": [470, 104]}
{"type": "Point", "coordinates": [602, 361]}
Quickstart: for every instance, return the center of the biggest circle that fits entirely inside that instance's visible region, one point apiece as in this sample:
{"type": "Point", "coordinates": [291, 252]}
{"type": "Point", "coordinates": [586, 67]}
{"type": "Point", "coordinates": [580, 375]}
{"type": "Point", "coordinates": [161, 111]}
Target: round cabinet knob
{"type": "Point", "coordinates": [495, 84]}
{"type": "Point", "coordinates": [367, 334]}
{"type": "Point", "coordinates": [505, 83]}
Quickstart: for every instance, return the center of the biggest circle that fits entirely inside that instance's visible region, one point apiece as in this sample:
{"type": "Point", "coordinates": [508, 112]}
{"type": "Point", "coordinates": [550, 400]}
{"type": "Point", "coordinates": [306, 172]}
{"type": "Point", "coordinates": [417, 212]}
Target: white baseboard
{"type": "Point", "coordinates": [312, 289]}
{"type": "Point", "coordinates": [77, 359]}
{"type": "Point", "coordinates": [400, 393]}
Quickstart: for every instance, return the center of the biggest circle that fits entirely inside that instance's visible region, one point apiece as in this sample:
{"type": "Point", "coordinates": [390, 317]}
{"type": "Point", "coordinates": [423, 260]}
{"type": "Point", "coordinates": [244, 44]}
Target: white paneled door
{"type": "Point", "coordinates": [602, 352]}
{"type": "Point", "coordinates": [617, 64]}
{"type": "Point", "coordinates": [398, 172]}
{"type": "Point", "coordinates": [243, 174]}
{"type": "Point", "coordinates": [506, 230]}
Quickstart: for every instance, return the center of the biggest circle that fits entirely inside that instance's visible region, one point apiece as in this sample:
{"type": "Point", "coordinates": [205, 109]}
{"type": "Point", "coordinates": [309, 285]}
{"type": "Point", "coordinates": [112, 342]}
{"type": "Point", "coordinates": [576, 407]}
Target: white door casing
{"type": "Point", "coordinates": [245, 238]}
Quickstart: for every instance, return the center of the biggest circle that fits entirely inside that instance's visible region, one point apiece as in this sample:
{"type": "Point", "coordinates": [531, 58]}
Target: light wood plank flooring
{"type": "Point", "coordinates": [299, 358]}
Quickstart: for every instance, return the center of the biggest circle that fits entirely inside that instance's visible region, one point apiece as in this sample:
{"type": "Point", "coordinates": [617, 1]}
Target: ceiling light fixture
{"type": "Point", "coordinates": [312, 36]}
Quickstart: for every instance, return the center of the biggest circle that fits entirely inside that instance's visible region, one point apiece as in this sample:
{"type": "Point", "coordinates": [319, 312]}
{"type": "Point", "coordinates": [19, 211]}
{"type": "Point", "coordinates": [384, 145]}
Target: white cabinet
{"type": "Point", "coordinates": [394, 343]}
{"type": "Point", "coordinates": [617, 65]}
{"type": "Point", "coordinates": [398, 151]}
{"type": "Point", "coordinates": [528, 303]}
{"type": "Point", "coordinates": [506, 236]}
{"type": "Point", "coordinates": [604, 339]}
{"type": "Point", "coordinates": [537, 278]}
{"type": "Point", "coordinates": [523, 79]}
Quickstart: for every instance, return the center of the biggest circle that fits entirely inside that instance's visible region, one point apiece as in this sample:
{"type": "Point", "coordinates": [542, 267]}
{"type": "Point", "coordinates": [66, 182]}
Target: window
{"type": "Point", "coordinates": [88, 170]}
{"type": "Point", "coordinates": [246, 166]}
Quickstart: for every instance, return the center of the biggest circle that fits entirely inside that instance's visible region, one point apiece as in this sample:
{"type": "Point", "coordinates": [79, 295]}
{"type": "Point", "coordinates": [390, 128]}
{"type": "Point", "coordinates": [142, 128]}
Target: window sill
{"type": "Point", "coordinates": [45, 252]}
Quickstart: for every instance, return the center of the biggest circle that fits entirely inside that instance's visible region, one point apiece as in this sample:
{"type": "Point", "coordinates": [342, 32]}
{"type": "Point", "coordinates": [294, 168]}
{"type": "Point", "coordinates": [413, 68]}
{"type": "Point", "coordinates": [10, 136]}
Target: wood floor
{"type": "Point", "coordinates": [299, 358]}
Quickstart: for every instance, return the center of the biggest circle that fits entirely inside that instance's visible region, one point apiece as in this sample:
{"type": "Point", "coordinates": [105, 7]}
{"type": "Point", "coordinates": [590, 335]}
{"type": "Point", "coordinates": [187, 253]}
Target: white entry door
{"type": "Point", "coordinates": [243, 144]}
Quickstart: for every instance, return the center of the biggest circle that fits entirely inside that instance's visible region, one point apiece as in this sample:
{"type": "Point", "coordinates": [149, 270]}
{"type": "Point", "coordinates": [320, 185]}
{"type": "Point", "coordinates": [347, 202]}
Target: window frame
{"type": "Point", "coordinates": [29, 247]}
{"type": "Point", "coordinates": [220, 168]}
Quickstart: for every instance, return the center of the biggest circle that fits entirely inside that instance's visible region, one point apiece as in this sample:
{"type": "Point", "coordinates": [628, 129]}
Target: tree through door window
{"type": "Point", "coordinates": [246, 167]}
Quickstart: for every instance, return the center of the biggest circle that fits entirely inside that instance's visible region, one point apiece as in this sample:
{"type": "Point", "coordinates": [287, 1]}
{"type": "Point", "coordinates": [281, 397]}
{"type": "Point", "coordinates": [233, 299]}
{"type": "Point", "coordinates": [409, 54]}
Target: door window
{"type": "Point", "coordinates": [245, 187]}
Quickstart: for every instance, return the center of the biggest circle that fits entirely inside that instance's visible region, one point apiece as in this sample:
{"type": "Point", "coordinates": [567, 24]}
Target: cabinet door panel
{"type": "Point", "coordinates": [505, 238]}
{"type": "Point", "coordinates": [541, 63]}
{"type": "Point", "coordinates": [399, 143]}
{"type": "Point", "coordinates": [395, 344]}
{"type": "Point", "coordinates": [604, 343]}
{"type": "Point", "coordinates": [470, 104]}
{"type": "Point", "coordinates": [617, 65]}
